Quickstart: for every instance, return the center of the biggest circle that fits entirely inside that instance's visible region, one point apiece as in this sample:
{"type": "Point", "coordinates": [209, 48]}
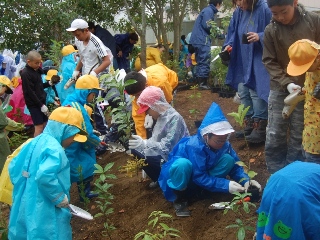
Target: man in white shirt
{"type": "Point", "coordinates": [95, 58]}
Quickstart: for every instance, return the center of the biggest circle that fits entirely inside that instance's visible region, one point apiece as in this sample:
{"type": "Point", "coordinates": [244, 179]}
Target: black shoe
{"type": "Point", "coordinates": [204, 86]}
{"type": "Point", "coordinates": [258, 134]}
{"type": "Point", "coordinates": [181, 209]}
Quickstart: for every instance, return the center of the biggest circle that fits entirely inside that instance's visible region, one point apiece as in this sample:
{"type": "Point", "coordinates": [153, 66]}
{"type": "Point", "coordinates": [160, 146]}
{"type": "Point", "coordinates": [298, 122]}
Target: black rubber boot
{"type": "Point", "coordinates": [203, 83]}
{"type": "Point", "coordinates": [248, 128]}
{"type": "Point", "coordinates": [258, 134]}
{"type": "Point", "coordinates": [181, 204]}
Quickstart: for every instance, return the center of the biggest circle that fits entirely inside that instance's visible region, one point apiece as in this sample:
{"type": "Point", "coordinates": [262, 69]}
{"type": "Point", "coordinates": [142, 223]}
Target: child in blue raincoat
{"type": "Point", "coordinates": [290, 206]}
{"type": "Point", "coordinates": [67, 67]}
{"type": "Point", "coordinates": [82, 155]}
{"type": "Point", "coordinates": [203, 161]}
{"type": "Point", "coordinates": [40, 175]}
{"type": "Point", "coordinates": [52, 98]}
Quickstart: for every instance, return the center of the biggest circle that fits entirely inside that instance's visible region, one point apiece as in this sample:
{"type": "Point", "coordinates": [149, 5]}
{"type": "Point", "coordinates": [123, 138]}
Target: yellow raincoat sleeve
{"type": "Point", "coordinates": [6, 186]}
{"type": "Point", "coordinates": [138, 120]}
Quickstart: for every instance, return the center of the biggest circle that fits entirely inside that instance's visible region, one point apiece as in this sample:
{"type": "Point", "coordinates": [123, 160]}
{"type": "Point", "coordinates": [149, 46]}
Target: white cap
{"type": "Point", "coordinates": [218, 128]}
{"type": "Point", "coordinates": [77, 24]}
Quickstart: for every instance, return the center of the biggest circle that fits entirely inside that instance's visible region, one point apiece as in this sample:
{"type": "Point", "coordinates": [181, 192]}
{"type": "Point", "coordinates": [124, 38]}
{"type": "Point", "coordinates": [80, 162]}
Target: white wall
{"type": "Point", "coordinates": [311, 5]}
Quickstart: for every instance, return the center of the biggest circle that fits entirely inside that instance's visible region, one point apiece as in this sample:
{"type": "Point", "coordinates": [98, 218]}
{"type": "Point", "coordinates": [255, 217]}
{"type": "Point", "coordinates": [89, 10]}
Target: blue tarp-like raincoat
{"type": "Point", "coordinates": [246, 64]}
{"type": "Point", "coordinates": [68, 65]}
{"type": "Point", "coordinates": [82, 154]}
{"type": "Point", "coordinates": [40, 174]}
{"type": "Point", "coordinates": [202, 159]}
{"type": "Point", "coordinates": [290, 206]}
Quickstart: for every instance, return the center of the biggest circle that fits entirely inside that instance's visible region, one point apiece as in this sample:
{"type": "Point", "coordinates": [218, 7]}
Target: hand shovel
{"type": "Point", "coordinates": [79, 212]}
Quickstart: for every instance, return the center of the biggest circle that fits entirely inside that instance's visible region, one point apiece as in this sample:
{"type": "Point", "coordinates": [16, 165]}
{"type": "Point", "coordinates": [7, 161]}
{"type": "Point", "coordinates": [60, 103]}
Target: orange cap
{"type": "Point", "coordinates": [302, 54]}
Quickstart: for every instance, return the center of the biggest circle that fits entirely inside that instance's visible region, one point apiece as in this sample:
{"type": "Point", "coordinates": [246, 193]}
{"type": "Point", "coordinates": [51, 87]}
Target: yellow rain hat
{"type": "Point", "coordinates": [70, 116]}
{"type": "Point", "coordinates": [66, 50]}
{"type": "Point", "coordinates": [88, 82]}
{"type": "Point", "coordinates": [15, 81]}
{"type": "Point", "coordinates": [51, 73]}
{"type": "Point", "coordinates": [6, 81]}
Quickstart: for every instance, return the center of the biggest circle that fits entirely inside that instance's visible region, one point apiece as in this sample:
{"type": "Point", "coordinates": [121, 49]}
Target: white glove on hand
{"type": "Point", "coordinates": [64, 203]}
{"type": "Point", "coordinates": [293, 87]}
{"type": "Point", "coordinates": [97, 133]}
{"type": "Point", "coordinates": [253, 183]}
{"type": "Point", "coordinates": [93, 73]}
{"type": "Point", "coordinates": [75, 74]}
{"type": "Point", "coordinates": [44, 109]}
{"type": "Point", "coordinates": [148, 121]}
{"type": "Point", "coordinates": [137, 142]}
{"type": "Point", "coordinates": [235, 187]}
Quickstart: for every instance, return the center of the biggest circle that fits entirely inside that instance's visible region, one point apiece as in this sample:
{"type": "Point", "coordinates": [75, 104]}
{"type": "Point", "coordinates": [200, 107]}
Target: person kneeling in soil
{"type": "Point", "coordinates": [40, 175]}
{"type": "Point", "coordinates": [203, 161]}
{"type": "Point", "coordinates": [168, 130]}
{"type": "Point", "coordinates": [290, 206]}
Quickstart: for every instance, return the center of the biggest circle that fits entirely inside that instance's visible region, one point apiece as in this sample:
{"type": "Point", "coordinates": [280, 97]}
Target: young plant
{"type": "Point", "coordinates": [105, 197]}
{"type": "Point", "coordinates": [195, 98]}
{"type": "Point", "coordinates": [241, 206]}
{"type": "Point", "coordinates": [54, 52]}
{"type": "Point", "coordinates": [239, 118]}
{"type": "Point", "coordinates": [218, 70]}
{"type": "Point", "coordinates": [16, 140]}
{"type": "Point", "coordinates": [120, 114]}
{"type": "Point", "coordinates": [81, 186]}
{"type": "Point", "coordinates": [159, 229]}
{"type": "Point", "coordinates": [133, 166]}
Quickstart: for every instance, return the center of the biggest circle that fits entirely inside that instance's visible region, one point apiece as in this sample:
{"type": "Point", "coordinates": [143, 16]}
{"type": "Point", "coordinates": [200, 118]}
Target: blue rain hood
{"type": "Point", "coordinates": [213, 115]}
{"type": "Point", "coordinates": [78, 95]}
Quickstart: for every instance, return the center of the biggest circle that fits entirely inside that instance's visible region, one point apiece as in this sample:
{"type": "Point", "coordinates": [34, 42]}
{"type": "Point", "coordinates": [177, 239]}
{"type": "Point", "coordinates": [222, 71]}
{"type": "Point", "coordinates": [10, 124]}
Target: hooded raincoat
{"type": "Point", "coordinates": [168, 130]}
{"type": "Point", "coordinates": [123, 44]}
{"type": "Point", "coordinates": [290, 206]}
{"type": "Point", "coordinates": [68, 65]}
{"type": "Point", "coordinates": [82, 154]}
{"type": "Point", "coordinates": [203, 159]}
{"type": "Point", "coordinates": [40, 174]}
{"type": "Point", "coordinates": [245, 65]}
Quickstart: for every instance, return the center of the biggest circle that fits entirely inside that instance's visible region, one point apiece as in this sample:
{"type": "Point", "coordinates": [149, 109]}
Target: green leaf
{"type": "Point", "coordinates": [232, 226]}
{"type": "Point", "coordinates": [241, 234]}
{"type": "Point", "coordinates": [108, 167]}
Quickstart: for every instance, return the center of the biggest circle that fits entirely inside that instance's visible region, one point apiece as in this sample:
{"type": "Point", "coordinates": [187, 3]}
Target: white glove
{"type": "Point", "coordinates": [235, 187]}
{"type": "Point", "coordinates": [44, 109]}
{"type": "Point", "coordinates": [253, 183]}
{"type": "Point", "coordinates": [148, 121]}
{"type": "Point", "coordinates": [75, 74]}
{"type": "Point", "coordinates": [293, 87]}
{"type": "Point", "coordinates": [64, 203]}
{"type": "Point", "coordinates": [93, 73]}
{"type": "Point", "coordinates": [137, 142]}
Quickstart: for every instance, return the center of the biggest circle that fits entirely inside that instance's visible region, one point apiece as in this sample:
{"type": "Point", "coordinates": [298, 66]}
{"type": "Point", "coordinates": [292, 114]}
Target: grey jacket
{"type": "Point", "coordinates": [277, 40]}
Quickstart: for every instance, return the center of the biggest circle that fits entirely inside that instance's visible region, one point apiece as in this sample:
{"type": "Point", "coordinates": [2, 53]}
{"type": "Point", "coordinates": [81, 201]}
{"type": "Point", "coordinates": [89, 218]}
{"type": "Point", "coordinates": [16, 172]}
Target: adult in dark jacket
{"type": "Point", "coordinates": [106, 37]}
{"type": "Point", "coordinates": [201, 41]}
{"type": "Point", "coordinates": [125, 43]}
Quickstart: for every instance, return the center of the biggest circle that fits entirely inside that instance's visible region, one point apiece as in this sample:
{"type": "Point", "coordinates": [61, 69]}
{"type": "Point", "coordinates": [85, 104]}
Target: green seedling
{"type": "Point", "coordinates": [239, 117]}
{"type": "Point", "coordinates": [241, 206]}
{"type": "Point", "coordinates": [105, 197]}
{"type": "Point", "coordinates": [195, 97]}
{"type": "Point", "coordinates": [159, 230]}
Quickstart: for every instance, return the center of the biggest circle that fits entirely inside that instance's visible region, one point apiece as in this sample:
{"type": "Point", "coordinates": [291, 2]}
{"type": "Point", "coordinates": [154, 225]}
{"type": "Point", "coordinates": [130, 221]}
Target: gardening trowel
{"type": "Point", "coordinates": [225, 205]}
